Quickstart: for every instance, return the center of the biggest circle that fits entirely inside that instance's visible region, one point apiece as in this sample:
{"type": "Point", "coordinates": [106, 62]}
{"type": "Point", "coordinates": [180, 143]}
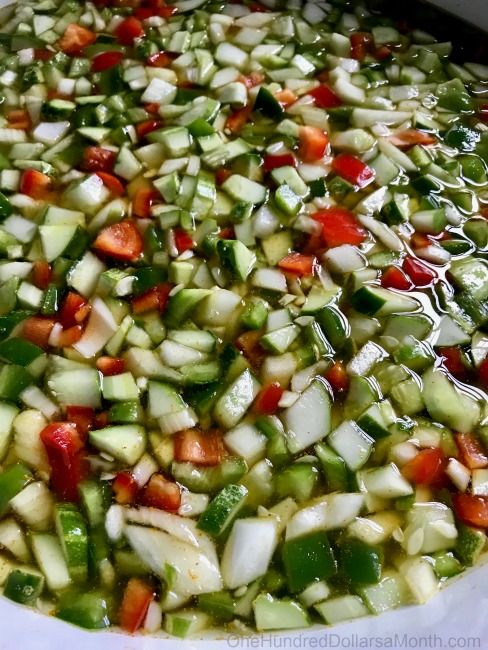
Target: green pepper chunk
{"type": "Point", "coordinates": [360, 562]}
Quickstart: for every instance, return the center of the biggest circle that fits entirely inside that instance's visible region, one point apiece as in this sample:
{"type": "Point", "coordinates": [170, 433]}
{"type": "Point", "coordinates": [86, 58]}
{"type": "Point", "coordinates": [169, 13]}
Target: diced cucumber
{"type": "Point", "coordinates": [447, 404]}
{"type": "Point", "coordinates": [12, 481]}
{"type": "Point", "coordinates": [278, 614]}
{"type": "Point", "coordinates": [308, 420]}
{"type": "Point", "coordinates": [223, 509]}
{"type": "Point", "coordinates": [352, 444]}
{"type": "Point", "coordinates": [125, 443]}
{"type": "Point", "coordinates": [72, 533]}
{"type": "Point", "coordinates": [209, 479]}
{"type": "Point", "coordinates": [342, 608]}
{"type": "Point", "coordinates": [50, 558]}
{"type": "Point", "coordinates": [235, 401]}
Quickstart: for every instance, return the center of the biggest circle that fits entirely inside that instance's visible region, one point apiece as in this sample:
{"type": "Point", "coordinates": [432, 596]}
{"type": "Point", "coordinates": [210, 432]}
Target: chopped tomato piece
{"type": "Point", "coordinates": [382, 53]}
{"type": "Point", "coordinates": [82, 416]}
{"type": "Point", "coordinates": [337, 377]}
{"type": "Point", "coordinates": [19, 119]}
{"type": "Point", "coordinates": [37, 329]}
{"type": "Point", "coordinates": [266, 403]}
{"type": "Point", "coordinates": [361, 44]}
{"type": "Point", "coordinates": [75, 39]}
{"type": "Point", "coordinates": [483, 372]}
{"type": "Point", "coordinates": [281, 160]}
{"type": "Point", "coordinates": [125, 488]}
{"type": "Point", "coordinates": [152, 108]}
{"type": "Point", "coordinates": [238, 119]}
{"type": "Point", "coordinates": [98, 159]}
{"type": "Point", "coordinates": [64, 448]}
{"type": "Point", "coordinates": [69, 314]}
{"type": "Point", "coordinates": [153, 299]}
{"type": "Point", "coordinates": [410, 137]}
{"type": "Point", "coordinates": [298, 263]}
{"type": "Point", "coordinates": [453, 361]}
{"type": "Point", "coordinates": [194, 446]}
{"type": "Point", "coordinates": [110, 366]}
{"type": "Point", "coordinates": [35, 184]}
{"type": "Point", "coordinates": [148, 126]}
{"type": "Point", "coordinates": [471, 509]}
{"type": "Point", "coordinates": [68, 337]}
{"type": "Point", "coordinates": [138, 595]}
{"type": "Point", "coordinates": [122, 241]}
{"type": "Point", "coordinates": [249, 344]}
{"type": "Point", "coordinates": [106, 60]}
{"type": "Point", "coordinates": [339, 226]}
{"type": "Point", "coordinates": [227, 233]}
{"type": "Point", "coordinates": [183, 240]}
{"type": "Point", "coordinates": [394, 278]}
{"type": "Point", "coordinates": [353, 170]}
{"type": "Point", "coordinates": [286, 97]}
{"type": "Point", "coordinates": [222, 175]}
{"type": "Point", "coordinates": [420, 274]}
{"type": "Point", "coordinates": [419, 240]}
{"type": "Point", "coordinates": [325, 97]}
{"type": "Point", "coordinates": [161, 493]}
{"type": "Point", "coordinates": [472, 453]}
{"type": "Point", "coordinates": [128, 30]}
{"type": "Point", "coordinates": [159, 60]}
{"type": "Point", "coordinates": [427, 468]}
{"type": "Point", "coordinates": [41, 274]}
{"type": "Point", "coordinates": [40, 54]}
{"type": "Point", "coordinates": [112, 183]}
{"type": "Point", "coordinates": [314, 143]}
{"type": "Point", "coordinates": [142, 202]}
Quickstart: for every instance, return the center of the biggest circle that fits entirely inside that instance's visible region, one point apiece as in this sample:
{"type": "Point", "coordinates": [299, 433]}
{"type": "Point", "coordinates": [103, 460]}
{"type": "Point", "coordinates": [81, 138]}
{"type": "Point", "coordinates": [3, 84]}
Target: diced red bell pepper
{"type": "Point", "coordinates": [112, 183]}
{"type": "Point", "coordinates": [420, 274]}
{"type": "Point", "coordinates": [266, 403]}
{"type": "Point", "coordinates": [483, 113]}
{"type": "Point", "coordinates": [69, 314]}
{"type": "Point", "coordinates": [122, 241]}
{"type": "Point", "coordinates": [227, 233]}
{"type": "Point", "coordinates": [101, 420]}
{"type": "Point", "coordinates": [339, 226]}
{"type": "Point", "coordinates": [410, 137]}
{"type": "Point", "coordinates": [110, 366]}
{"type": "Point", "coordinates": [238, 119]}
{"type": "Point", "coordinates": [37, 330]}
{"type": "Point", "coordinates": [258, 7]}
{"type": "Point", "coordinates": [419, 240]}
{"type": "Point", "coordinates": [353, 170]}
{"type": "Point", "coordinates": [19, 119]}
{"type": "Point", "coordinates": [64, 448]}
{"type": "Point", "coordinates": [138, 595]}
{"type": "Point", "coordinates": [35, 184]}
{"type": "Point", "coordinates": [183, 240]}
{"type": "Point", "coordinates": [221, 175]}
{"type": "Point", "coordinates": [152, 108]}
{"type": "Point", "coordinates": [159, 60]}
{"type": "Point", "coordinates": [325, 97]}
{"type": "Point", "coordinates": [194, 446]}
{"type": "Point", "coordinates": [394, 278]}
{"type": "Point", "coordinates": [453, 361]}
{"type": "Point", "coordinates": [361, 44]}
{"type": "Point", "coordinates": [471, 509]}
{"type": "Point", "coordinates": [337, 377]}
{"type": "Point", "coordinates": [82, 417]}
{"type": "Point", "coordinates": [41, 274]}
{"type": "Point", "coordinates": [382, 53]}
{"type": "Point", "coordinates": [128, 30]}
{"type": "Point", "coordinates": [125, 488]}
{"type": "Point", "coordinates": [142, 202]}
{"type": "Point", "coordinates": [98, 159]}
{"type": "Point", "coordinates": [314, 143]}
{"type": "Point", "coordinates": [253, 79]}
{"type": "Point", "coordinates": [298, 264]}
{"type": "Point", "coordinates": [471, 451]}
{"type": "Point", "coordinates": [148, 126]}
{"type": "Point", "coordinates": [483, 372]}
{"type": "Point", "coordinates": [249, 343]}
{"type": "Point", "coordinates": [427, 468]}
{"type": "Point", "coordinates": [161, 493]}
{"type": "Point", "coordinates": [41, 54]}
{"type": "Point", "coordinates": [155, 298]}
{"type": "Point", "coordinates": [106, 60]}
{"type": "Point", "coordinates": [69, 336]}
{"type": "Point", "coordinates": [271, 162]}
{"type": "Point", "coordinates": [75, 39]}
{"type": "Point", "coordinates": [286, 97]}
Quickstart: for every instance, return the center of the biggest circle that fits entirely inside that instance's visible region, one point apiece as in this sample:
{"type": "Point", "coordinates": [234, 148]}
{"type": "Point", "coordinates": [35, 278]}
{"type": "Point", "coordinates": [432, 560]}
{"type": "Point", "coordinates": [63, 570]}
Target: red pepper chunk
{"type": "Point", "coordinates": [35, 184]}
{"type": "Point", "coordinates": [82, 417]}
{"type": "Point", "coordinates": [314, 143]}
{"type": "Point", "coordinates": [427, 468]}
{"type": "Point", "coordinates": [339, 226]}
{"type": "Point", "coordinates": [147, 126]}
{"type": "Point", "coordinates": [281, 160]}
{"type": "Point", "coordinates": [138, 595]}
{"type": "Point", "coordinates": [98, 159]}
{"type": "Point", "coordinates": [298, 264]}
{"type": "Point", "coordinates": [162, 494]}
{"type": "Point", "coordinates": [112, 183]}
{"type": "Point", "coordinates": [142, 202]}
{"type": "Point", "coordinates": [266, 403]}
{"type": "Point", "coordinates": [183, 240]}
{"type": "Point", "coordinates": [471, 451]}
{"type": "Point", "coordinates": [122, 241]}
{"type": "Point", "coordinates": [353, 170]}
{"type": "Point", "coordinates": [110, 366]}
{"type": "Point", "coordinates": [420, 274]}
{"type": "Point", "coordinates": [194, 446]}
{"type": "Point", "coordinates": [75, 39]}
{"type": "Point", "coordinates": [106, 60]}
{"type": "Point", "coordinates": [73, 310]}
{"type": "Point", "coordinates": [41, 274]}
{"type": "Point", "coordinates": [125, 488]}
{"type": "Point", "coordinates": [337, 377]}
{"type": "Point", "coordinates": [159, 60]}
{"type": "Point", "coordinates": [64, 449]}
{"type": "Point", "coordinates": [361, 44]}
{"type": "Point", "coordinates": [453, 361]}
{"type": "Point", "coordinates": [155, 298]}
{"type": "Point", "coordinates": [238, 119]}
{"type": "Point", "coordinates": [325, 97]}
{"type": "Point", "coordinates": [471, 509]}
{"type": "Point", "coordinates": [128, 30]}
{"type": "Point", "coordinates": [395, 278]}
{"type": "Point", "coordinates": [483, 372]}
{"type": "Point", "coordinates": [37, 330]}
